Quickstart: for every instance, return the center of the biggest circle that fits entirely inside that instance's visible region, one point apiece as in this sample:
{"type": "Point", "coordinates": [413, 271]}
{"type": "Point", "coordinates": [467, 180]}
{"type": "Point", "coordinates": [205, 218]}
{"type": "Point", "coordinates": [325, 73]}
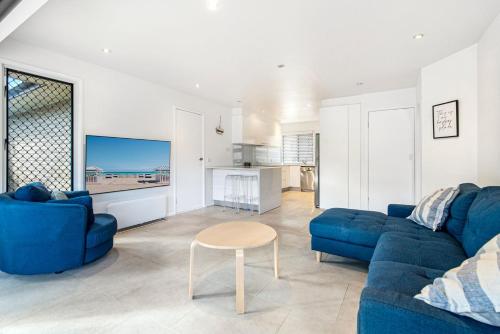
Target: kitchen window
{"type": "Point", "coordinates": [298, 149]}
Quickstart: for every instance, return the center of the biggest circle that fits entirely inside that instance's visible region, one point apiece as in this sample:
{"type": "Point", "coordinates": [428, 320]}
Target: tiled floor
{"type": "Point", "coordinates": [141, 286]}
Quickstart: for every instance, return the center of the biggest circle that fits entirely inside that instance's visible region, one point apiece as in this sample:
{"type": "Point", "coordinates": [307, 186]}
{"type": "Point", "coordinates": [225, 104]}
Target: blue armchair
{"type": "Point", "coordinates": [43, 237]}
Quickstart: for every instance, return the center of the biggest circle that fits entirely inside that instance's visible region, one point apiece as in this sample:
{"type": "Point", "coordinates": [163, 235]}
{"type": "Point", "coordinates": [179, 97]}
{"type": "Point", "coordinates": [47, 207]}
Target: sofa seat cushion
{"type": "Point", "coordinates": [387, 311]}
{"type": "Point", "coordinates": [407, 279]}
{"type": "Point", "coordinates": [388, 305]}
{"type": "Point", "coordinates": [361, 227]}
{"type": "Point", "coordinates": [440, 251]}
{"type": "Point", "coordinates": [103, 229]}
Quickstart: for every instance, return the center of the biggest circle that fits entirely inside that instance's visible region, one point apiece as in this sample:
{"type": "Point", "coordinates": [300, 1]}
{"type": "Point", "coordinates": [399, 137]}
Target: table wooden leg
{"type": "Point", "coordinates": [276, 258]}
{"type": "Point", "coordinates": [191, 264]}
{"type": "Point", "coordinates": [240, 281]}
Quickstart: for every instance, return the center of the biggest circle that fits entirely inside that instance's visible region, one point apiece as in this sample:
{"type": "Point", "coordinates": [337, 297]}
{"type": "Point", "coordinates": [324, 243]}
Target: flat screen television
{"type": "Point", "coordinates": [117, 164]}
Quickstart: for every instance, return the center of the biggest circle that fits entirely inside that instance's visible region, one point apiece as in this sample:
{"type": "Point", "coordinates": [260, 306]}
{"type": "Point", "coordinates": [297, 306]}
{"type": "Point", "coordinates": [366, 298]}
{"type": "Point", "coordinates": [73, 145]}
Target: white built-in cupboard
{"type": "Point", "coordinates": [366, 166]}
{"type": "Point", "coordinates": [340, 156]}
{"type": "Point", "coordinates": [290, 176]}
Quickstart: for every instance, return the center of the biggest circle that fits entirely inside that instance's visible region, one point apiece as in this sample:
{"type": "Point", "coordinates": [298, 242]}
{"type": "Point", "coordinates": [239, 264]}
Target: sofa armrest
{"type": "Point", "coordinates": [400, 210]}
{"type": "Point", "coordinates": [382, 311]}
{"type": "Point", "coordinates": [77, 193]}
{"type": "Point", "coordinates": [41, 237]}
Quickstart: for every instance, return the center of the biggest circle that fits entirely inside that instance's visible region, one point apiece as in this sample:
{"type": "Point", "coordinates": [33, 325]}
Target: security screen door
{"type": "Point", "coordinates": [39, 128]}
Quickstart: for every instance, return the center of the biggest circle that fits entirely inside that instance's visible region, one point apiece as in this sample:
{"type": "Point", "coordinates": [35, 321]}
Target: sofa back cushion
{"type": "Point", "coordinates": [483, 220]}
{"type": "Point", "coordinates": [460, 208]}
{"type": "Point", "coordinates": [86, 201]}
{"type": "Point", "coordinates": [32, 192]}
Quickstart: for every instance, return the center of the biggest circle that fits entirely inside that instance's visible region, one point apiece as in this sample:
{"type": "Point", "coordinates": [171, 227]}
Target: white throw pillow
{"type": "Point", "coordinates": [472, 289]}
{"type": "Point", "coordinates": [433, 210]}
{"type": "Point", "coordinates": [58, 195]}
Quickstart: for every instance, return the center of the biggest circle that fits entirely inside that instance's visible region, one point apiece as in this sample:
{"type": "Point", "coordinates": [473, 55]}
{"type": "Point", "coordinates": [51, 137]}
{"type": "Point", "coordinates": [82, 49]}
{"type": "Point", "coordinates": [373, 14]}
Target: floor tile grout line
{"type": "Point", "coordinates": [283, 322]}
{"type": "Point", "coordinates": [342, 303]}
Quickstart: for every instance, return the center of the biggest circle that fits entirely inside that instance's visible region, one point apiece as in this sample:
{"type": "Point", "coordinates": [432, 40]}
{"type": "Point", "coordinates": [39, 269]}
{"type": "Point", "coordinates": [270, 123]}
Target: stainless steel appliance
{"type": "Point", "coordinates": [316, 175]}
{"type": "Point", "coordinates": [307, 178]}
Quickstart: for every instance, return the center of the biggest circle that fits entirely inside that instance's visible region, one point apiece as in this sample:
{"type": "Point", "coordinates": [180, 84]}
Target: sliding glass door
{"type": "Point", "coordinates": [39, 131]}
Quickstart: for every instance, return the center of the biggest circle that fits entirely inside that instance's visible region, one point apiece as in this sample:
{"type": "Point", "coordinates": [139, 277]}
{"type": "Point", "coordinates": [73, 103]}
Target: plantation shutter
{"type": "Point", "coordinates": [298, 149]}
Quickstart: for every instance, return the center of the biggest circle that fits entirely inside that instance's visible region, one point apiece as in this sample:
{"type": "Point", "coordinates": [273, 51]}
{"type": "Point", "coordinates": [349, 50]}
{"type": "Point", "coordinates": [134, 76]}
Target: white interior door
{"type": "Point", "coordinates": [391, 158]}
{"type": "Point", "coordinates": [189, 161]}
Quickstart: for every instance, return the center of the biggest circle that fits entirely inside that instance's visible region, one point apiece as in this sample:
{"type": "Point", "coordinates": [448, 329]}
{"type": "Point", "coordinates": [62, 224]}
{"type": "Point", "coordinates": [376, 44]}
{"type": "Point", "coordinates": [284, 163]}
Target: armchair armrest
{"type": "Point", "coordinates": [77, 193]}
{"type": "Point", "coordinates": [41, 237]}
{"type": "Point", "coordinates": [382, 311]}
{"type": "Point", "coordinates": [400, 210]}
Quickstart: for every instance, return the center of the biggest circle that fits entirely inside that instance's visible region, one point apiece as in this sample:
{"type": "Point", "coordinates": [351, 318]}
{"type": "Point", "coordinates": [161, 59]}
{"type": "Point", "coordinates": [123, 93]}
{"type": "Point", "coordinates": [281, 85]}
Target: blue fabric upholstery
{"type": "Point", "coordinates": [405, 257]}
{"type": "Point", "coordinates": [403, 278]}
{"type": "Point", "coordinates": [95, 253]}
{"type": "Point", "coordinates": [361, 227]}
{"type": "Point", "coordinates": [400, 210]}
{"type": "Point", "coordinates": [438, 252]}
{"type": "Point", "coordinates": [460, 208]}
{"type": "Point", "coordinates": [384, 311]}
{"type": "Point", "coordinates": [340, 248]}
{"type": "Point", "coordinates": [86, 201]}
{"type": "Point", "coordinates": [38, 238]}
{"type": "Point", "coordinates": [32, 192]}
{"type": "Point", "coordinates": [103, 229]}
{"type": "Point", "coordinates": [483, 220]}
{"type": "Point", "coordinates": [77, 193]}
{"type": "Point", "coordinates": [387, 303]}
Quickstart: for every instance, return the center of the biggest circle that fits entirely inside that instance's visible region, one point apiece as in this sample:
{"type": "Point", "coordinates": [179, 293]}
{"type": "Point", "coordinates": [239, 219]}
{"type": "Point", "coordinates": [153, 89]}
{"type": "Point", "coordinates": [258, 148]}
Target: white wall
{"type": "Point", "coordinates": [358, 136]}
{"type": "Point", "coordinates": [450, 161]}
{"type": "Point", "coordinates": [489, 105]}
{"type": "Point", "coordinates": [116, 104]}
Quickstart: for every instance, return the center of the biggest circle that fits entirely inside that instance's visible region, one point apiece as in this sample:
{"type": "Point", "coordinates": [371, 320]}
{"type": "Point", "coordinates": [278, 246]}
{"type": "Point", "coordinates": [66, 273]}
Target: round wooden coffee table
{"type": "Point", "coordinates": [237, 235]}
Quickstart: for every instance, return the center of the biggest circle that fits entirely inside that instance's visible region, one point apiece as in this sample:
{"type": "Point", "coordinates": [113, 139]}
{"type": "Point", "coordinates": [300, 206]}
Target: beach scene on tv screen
{"type": "Point", "coordinates": [116, 164]}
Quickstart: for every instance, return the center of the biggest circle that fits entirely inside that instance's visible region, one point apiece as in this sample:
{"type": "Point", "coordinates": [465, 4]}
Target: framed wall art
{"type": "Point", "coordinates": [445, 120]}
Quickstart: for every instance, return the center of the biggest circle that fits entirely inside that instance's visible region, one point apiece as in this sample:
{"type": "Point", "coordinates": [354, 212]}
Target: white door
{"type": "Point", "coordinates": [189, 161]}
{"type": "Point", "coordinates": [391, 158]}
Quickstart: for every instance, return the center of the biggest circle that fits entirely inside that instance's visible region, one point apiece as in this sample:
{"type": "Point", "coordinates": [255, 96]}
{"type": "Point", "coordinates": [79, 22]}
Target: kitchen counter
{"type": "Point", "coordinates": [244, 168]}
{"type": "Point", "coordinates": [265, 189]}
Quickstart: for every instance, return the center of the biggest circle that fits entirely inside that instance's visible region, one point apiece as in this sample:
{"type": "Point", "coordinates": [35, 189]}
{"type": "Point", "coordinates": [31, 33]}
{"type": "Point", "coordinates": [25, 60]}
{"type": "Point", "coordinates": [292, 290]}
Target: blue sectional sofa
{"type": "Point", "coordinates": [404, 257]}
{"type": "Point", "coordinates": [43, 237]}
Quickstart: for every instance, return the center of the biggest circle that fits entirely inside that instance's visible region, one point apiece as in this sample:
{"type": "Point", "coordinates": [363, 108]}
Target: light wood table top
{"type": "Point", "coordinates": [236, 235]}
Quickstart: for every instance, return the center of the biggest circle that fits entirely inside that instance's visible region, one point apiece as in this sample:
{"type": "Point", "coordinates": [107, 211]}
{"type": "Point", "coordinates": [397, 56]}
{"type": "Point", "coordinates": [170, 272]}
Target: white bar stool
{"type": "Point", "coordinates": [249, 196]}
{"type": "Point", "coordinates": [232, 190]}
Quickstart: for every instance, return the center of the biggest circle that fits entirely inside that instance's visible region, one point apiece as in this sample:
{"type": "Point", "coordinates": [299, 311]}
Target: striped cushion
{"type": "Point", "coordinates": [433, 210]}
{"type": "Point", "coordinates": [472, 289]}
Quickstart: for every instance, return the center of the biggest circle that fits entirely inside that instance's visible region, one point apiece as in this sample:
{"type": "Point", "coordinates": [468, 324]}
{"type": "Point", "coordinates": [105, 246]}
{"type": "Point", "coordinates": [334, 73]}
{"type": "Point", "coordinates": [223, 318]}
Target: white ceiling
{"type": "Point", "coordinates": [233, 53]}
